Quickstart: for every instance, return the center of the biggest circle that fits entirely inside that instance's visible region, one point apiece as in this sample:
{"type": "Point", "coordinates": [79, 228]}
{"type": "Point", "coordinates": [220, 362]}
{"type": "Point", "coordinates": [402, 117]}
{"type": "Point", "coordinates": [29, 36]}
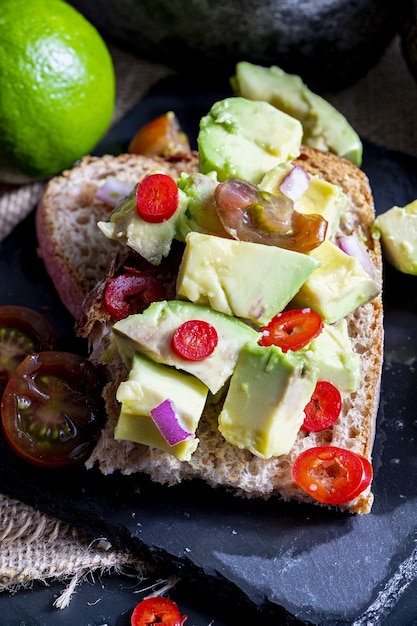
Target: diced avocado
{"type": "Point", "coordinates": [323, 126]}
{"type": "Point", "coordinates": [320, 197]}
{"type": "Point", "coordinates": [240, 138]}
{"type": "Point", "coordinates": [148, 385]}
{"type": "Point", "coordinates": [398, 231]}
{"type": "Point", "coordinates": [151, 334]}
{"type": "Point", "coordinates": [200, 214]}
{"type": "Point", "coordinates": [339, 286]}
{"type": "Point", "coordinates": [264, 407]}
{"type": "Point", "coordinates": [151, 240]}
{"type": "Point", "coordinates": [333, 354]}
{"type": "Point", "coordinates": [249, 280]}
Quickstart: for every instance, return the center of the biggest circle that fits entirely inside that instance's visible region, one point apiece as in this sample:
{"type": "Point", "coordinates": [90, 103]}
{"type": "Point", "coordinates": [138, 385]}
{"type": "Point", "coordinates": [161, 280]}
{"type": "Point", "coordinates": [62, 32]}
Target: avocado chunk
{"type": "Point", "coordinates": [335, 358]}
{"type": "Point", "coordinates": [248, 280]}
{"type": "Point", "coordinates": [150, 333]}
{"type": "Point", "coordinates": [151, 240]}
{"type": "Point", "coordinates": [324, 127]}
{"type": "Point", "coordinates": [336, 288]}
{"type": "Point", "coordinates": [321, 197]}
{"type": "Point", "coordinates": [241, 138]}
{"type": "Point", "coordinates": [147, 386]}
{"type": "Point", "coordinates": [397, 228]}
{"type": "Point", "coordinates": [200, 214]}
{"type": "Point", "coordinates": [264, 407]}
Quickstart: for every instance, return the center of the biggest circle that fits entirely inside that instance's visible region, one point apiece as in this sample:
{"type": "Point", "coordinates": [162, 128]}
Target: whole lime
{"type": "Point", "coordinates": [57, 88]}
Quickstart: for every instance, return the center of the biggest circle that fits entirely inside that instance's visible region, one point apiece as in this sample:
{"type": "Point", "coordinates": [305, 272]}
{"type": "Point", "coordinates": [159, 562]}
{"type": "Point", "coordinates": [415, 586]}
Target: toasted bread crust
{"type": "Point", "coordinates": [215, 461]}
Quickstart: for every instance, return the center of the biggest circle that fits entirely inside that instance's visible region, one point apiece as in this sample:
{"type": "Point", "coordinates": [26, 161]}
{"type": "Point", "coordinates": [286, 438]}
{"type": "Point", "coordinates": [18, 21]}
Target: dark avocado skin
{"type": "Point", "coordinates": [408, 31]}
{"type": "Point", "coordinates": [329, 43]}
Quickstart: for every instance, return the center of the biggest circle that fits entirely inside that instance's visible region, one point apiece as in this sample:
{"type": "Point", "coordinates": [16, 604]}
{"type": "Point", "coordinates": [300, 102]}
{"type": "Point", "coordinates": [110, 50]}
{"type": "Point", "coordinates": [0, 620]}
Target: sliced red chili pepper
{"type": "Point", "coordinates": [157, 611]}
{"type": "Point", "coordinates": [157, 198]}
{"type": "Point", "coordinates": [324, 407]}
{"type": "Point", "coordinates": [121, 293]}
{"type": "Point", "coordinates": [292, 330]}
{"type": "Point", "coordinates": [194, 340]}
{"type": "Point", "coordinates": [332, 475]}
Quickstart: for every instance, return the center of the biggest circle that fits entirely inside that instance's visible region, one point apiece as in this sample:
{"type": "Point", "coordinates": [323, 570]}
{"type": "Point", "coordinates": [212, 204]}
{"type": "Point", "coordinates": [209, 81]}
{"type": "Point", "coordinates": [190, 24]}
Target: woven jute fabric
{"type": "Point", "coordinates": [382, 107]}
{"type": "Point", "coordinates": [35, 546]}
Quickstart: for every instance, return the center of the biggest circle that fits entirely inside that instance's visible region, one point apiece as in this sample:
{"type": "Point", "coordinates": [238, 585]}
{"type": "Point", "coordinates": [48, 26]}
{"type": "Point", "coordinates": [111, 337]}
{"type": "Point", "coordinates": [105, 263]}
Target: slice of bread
{"type": "Point", "coordinates": [215, 461]}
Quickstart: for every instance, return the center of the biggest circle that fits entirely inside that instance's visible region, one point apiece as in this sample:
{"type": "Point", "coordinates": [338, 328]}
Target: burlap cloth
{"type": "Point", "coordinates": [382, 107]}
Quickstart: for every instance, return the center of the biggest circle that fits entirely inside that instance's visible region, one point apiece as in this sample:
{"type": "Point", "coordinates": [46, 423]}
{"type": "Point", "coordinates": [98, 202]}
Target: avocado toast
{"type": "Point", "coordinates": [215, 457]}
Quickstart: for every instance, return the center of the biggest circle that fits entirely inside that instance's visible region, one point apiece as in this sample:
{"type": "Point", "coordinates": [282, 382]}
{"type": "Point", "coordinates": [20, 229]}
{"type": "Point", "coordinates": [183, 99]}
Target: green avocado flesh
{"type": "Point", "coordinates": [151, 333]}
{"type": "Point", "coordinates": [323, 126]}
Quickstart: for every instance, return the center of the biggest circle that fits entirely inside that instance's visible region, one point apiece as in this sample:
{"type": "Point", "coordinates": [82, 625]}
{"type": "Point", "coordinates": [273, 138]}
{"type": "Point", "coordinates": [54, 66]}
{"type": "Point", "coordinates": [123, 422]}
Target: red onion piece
{"type": "Point", "coordinates": [113, 191]}
{"type": "Point", "coordinates": [166, 419]}
{"type": "Point", "coordinates": [351, 245]}
{"type": "Point", "coordinates": [295, 183]}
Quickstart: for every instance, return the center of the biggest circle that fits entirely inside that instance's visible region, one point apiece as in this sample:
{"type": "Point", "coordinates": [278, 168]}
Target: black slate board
{"type": "Point", "coordinates": [295, 564]}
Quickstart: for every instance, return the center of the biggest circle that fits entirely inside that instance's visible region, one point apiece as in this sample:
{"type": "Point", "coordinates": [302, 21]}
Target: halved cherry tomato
{"type": "Point", "coordinates": [324, 407]}
{"type": "Point", "coordinates": [157, 198]}
{"type": "Point", "coordinates": [249, 213]}
{"type": "Point", "coordinates": [332, 475]}
{"type": "Point", "coordinates": [194, 340]}
{"type": "Point", "coordinates": [157, 611]}
{"type": "Point", "coordinates": [52, 410]}
{"type": "Point", "coordinates": [292, 330]}
{"type": "Point", "coordinates": [162, 136]}
{"type": "Point", "coordinates": [23, 331]}
{"type": "Point", "coordinates": [125, 293]}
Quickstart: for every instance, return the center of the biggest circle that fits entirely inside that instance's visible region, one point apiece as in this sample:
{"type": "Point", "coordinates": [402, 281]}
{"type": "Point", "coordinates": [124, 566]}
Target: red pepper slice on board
{"type": "Point", "coordinates": [157, 611]}
{"type": "Point", "coordinates": [124, 293]}
{"type": "Point", "coordinates": [292, 330]}
{"type": "Point", "coordinates": [157, 198]}
{"type": "Point", "coordinates": [324, 407]}
{"type": "Point", "coordinates": [332, 475]}
{"type": "Point", "coordinates": [194, 340]}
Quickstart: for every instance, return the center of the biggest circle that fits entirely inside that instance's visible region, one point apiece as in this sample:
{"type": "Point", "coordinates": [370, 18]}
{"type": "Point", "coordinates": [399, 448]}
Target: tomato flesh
{"type": "Point", "coordinates": [52, 410]}
{"type": "Point", "coordinates": [292, 330]}
{"type": "Point", "coordinates": [157, 611]}
{"type": "Point", "coordinates": [332, 475]}
{"type": "Point", "coordinates": [324, 407]}
{"type": "Point", "coordinates": [157, 198]}
{"type": "Point", "coordinates": [23, 331]}
{"type": "Point", "coordinates": [249, 213]}
{"type": "Point", "coordinates": [161, 136]}
{"type": "Point", "coordinates": [125, 293]}
{"type": "Point", "coordinates": [194, 340]}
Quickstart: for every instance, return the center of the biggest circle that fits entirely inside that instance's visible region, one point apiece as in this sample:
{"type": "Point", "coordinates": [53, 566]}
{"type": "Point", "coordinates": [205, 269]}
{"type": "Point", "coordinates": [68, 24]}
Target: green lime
{"type": "Point", "coordinates": [57, 88]}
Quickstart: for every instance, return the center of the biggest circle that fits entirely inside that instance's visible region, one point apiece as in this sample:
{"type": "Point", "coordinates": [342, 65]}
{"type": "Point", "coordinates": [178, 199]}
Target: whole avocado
{"type": "Point", "coordinates": [329, 43]}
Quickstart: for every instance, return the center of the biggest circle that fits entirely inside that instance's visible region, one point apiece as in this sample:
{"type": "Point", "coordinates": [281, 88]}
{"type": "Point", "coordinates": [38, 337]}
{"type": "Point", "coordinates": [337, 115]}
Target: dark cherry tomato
{"type": "Point", "coordinates": [52, 410]}
{"type": "Point", "coordinates": [324, 407]}
{"type": "Point", "coordinates": [125, 293]}
{"type": "Point", "coordinates": [292, 330]}
{"type": "Point", "coordinates": [332, 475]}
{"type": "Point", "coordinates": [194, 340]}
{"type": "Point", "coordinates": [162, 136]}
{"type": "Point", "coordinates": [157, 198]}
{"type": "Point", "coordinates": [157, 611]}
{"type": "Point", "coordinates": [23, 331]}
